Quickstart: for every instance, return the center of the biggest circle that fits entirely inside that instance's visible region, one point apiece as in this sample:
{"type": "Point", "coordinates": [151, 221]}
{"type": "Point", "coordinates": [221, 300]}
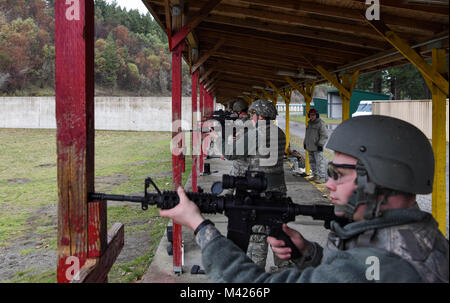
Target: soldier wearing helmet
{"type": "Point", "coordinates": [240, 107]}
{"type": "Point", "coordinates": [261, 128]}
{"type": "Point", "coordinates": [240, 164]}
{"type": "Point", "coordinates": [380, 164]}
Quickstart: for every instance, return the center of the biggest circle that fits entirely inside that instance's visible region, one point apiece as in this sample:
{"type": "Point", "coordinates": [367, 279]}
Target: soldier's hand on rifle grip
{"type": "Point", "coordinates": [280, 247]}
{"type": "Point", "coordinates": [186, 213]}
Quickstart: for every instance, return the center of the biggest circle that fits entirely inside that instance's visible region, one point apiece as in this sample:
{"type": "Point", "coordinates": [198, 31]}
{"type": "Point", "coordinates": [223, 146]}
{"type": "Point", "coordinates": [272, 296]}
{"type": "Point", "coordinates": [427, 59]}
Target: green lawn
{"type": "Point", "coordinates": [28, 194]}
{"type": "Point", "coordinates": [301, 119]}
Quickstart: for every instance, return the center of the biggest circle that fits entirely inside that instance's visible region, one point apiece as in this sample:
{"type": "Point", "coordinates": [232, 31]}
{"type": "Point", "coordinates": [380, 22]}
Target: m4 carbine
{"type": "Point", "coordinates": [246, 208]}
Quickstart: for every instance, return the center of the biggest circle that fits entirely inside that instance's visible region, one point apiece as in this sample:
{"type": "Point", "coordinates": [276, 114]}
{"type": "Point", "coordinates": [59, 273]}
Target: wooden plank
{"type": "Point", "coordinates": [299, 31]}
{"type": "Point", "coordinates": [96, 270]}
{"type": "Point", "coordinates": [74, 47]}
{"type": "Point", "coordinates": [402, 20]}
{"type": "Point", "coordinates": [224, 9]}
{"type": "Point", "coordinates": [240, 37]}
{"type": "Point", "coordinates": [202, 13]}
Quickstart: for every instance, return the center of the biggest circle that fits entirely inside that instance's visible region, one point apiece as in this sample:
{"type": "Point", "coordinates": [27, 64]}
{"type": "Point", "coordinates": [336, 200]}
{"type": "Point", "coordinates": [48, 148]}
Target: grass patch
{"type": "Point", "coordinates": [32, 275]}
{"type": "Point", "coordinates": [29, 193]}
{"type": "Point", "coordinates": [301, 119]}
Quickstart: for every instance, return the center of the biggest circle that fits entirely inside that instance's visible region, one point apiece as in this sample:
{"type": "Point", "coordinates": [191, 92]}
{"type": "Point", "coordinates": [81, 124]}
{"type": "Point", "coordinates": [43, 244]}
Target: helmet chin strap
{"type": "Point", "coordinates": [366, 193]}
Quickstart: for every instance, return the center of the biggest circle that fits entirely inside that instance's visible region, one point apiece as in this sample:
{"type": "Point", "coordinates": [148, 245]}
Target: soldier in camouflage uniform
{"type": "Point", "coordinates": [316, 136]}
{"type": "Point", "coordinates": [240, 164]}
{"type": "Point", "coordinates": [263, 113]}
{"type": "Point", "coordinates": [373, 181]}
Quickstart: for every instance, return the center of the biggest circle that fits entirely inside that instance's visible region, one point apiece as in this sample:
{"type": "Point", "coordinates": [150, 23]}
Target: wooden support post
{"type": "Point", "coordinates": [308, 92]}
{"type": "Point", "coordinates": [439, 118]}
{"type": "Point", "coordinates": [177, 50]}
{"type": "Point", "coordinates": [288, 137]}
{"type": "Point", "coordinates": [176, 159]}
{"type": "Point", "coordinates": [81, 228]}
{"type": "Point", "coordinates": [195, 132]}
{"type": "Point", "coordinates": [307, 108]}
{"type": "Point", "coordinates": [202, 117]}
{"type": "Point", "coordinates": [437, 80]}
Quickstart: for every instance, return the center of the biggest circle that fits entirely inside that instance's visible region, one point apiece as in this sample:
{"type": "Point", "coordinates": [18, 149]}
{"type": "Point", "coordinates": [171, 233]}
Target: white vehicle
{"type": "Point", "coordinates": [364, 109]}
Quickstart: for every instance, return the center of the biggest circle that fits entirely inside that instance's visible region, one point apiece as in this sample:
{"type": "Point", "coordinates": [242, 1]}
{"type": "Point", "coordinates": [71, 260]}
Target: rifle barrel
{"type": "Point", "coordinates": [102, 197]}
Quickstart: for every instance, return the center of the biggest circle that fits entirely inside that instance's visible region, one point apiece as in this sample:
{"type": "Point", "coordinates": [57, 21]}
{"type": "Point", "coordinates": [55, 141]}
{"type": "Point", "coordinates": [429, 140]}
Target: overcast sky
{"type": "Point", "coordinates": [131, 4]}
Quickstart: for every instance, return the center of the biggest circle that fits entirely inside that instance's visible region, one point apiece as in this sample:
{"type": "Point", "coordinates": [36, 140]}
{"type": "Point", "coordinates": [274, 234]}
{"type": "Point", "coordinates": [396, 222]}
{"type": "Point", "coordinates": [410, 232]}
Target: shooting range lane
{"type": "Point", "coordinates": [301, 192]}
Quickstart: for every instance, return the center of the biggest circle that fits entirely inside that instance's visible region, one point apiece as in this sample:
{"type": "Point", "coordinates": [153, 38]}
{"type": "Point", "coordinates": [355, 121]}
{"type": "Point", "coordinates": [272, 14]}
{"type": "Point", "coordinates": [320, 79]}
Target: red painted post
{"type": "Point", "coordinates": [81, 229]}
{"type": "Point", "coordinates": [208, 112]}
{"type": "Point", "coordinates": [195, 133]}
{"type": "Point", "coordinates": [176, 160]}
{"type": "Point", "coordinates": [202, 117]}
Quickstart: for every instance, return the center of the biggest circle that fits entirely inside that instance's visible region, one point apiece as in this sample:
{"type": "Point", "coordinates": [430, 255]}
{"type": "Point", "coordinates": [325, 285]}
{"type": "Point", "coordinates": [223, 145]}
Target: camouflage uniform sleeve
{"type": "Point", "coordinates": [312, 257]}
{"type": "Point", "coordinates": [323, 134]}
{"type": "Point", "coordinates": [206, 235]}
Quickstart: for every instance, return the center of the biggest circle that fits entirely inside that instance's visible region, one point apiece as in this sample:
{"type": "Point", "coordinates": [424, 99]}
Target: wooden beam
{"type": "Point", "coordinates": [168, 16]}
{"type": "Point", "coordinates": [281, 44]}
{"type": "Point", "coordinates": [269, 96]}
{"type": "Point", "coordinates": [202, 13]}
{"type": "Point", "coordinates": [96, 270]}
{"type": "Point", "coordinates": [333, 79]}
{"type": "Point", "coordinates": [206, 75]}
{"type": "Point", "coordinates": [409, 53]}
{"type": "Point", "coordinates": [207, 55]}
{"type": "Point", "coordinates": [402, 8]}
{"type": "Point", "coordinates": [279, 92]}
{"type": "Point", "coordinates": [315, 34]}
{"type": "Point", "coordinates": [194, 22]}
{"type": "Point", "coordinates": [286, 18]}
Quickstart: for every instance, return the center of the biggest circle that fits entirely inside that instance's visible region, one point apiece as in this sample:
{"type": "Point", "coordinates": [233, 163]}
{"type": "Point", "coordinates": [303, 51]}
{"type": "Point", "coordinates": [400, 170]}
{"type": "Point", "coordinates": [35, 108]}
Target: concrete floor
{"type": "Point", "coordinates": [300, 190]}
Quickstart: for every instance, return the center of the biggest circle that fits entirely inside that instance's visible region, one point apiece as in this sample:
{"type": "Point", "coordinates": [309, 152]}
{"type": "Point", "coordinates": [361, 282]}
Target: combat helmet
{"type": "Point", "coordinates": [393, 156]}
{"type": "Point", "coordinates": [240, 106]}
{"type": "Point", "coordinates": [264, 108]}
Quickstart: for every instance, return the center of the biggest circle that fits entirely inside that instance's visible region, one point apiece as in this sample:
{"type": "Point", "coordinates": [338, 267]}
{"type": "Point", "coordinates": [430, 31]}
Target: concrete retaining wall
{"type": "Point", "coordinates": [111, 113]}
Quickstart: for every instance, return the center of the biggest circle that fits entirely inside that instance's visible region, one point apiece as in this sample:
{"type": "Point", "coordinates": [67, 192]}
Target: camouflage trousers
{"type": "Point", "coordinates": [317, 164]}
{"type": "Point", "coordinates": [258, 248]}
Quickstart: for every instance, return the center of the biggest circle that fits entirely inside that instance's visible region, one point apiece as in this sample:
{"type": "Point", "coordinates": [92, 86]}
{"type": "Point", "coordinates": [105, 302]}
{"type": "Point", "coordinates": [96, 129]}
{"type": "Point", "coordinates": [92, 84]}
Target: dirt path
{"type": "Point", "coordinates": [32, 256]}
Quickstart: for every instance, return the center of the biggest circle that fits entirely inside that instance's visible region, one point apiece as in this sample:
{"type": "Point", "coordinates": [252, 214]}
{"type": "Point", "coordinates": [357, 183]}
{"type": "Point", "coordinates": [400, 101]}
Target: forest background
{"type": "Point", "coordinates": [132, 57]}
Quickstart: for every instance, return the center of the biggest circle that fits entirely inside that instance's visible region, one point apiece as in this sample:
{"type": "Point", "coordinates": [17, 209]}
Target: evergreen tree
{"type": "Point", "coordinates": [107, 62]}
